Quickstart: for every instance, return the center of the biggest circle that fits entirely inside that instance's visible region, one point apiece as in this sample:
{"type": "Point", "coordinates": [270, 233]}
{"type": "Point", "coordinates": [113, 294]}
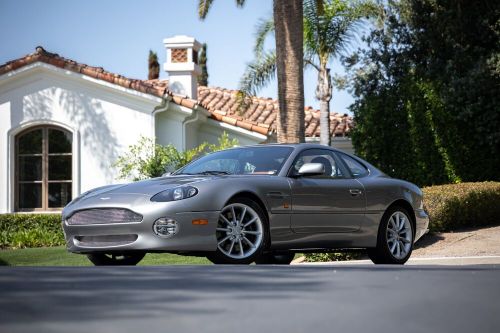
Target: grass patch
{"type": "Point", "coordinates": [58, 256]}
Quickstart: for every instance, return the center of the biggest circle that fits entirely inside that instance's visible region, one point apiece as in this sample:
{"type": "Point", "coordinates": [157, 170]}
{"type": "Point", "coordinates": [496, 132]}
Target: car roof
{"type": "Point", "coordinates": [292, 145]}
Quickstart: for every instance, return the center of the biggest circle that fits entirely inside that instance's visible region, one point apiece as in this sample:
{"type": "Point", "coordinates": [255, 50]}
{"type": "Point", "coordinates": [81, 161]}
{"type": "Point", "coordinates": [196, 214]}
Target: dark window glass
{"type": "Point", "coordinates": [60, 167]}
{"type": "Point", "coordinates": [31, 142]}
{"type": "Point", "coordinates": [59, 141]}
{"type": "Point", "coordinates": [43, 168]}
{"type": "Point", "coordinates": [59, 194]}
{"type": "Point", "coordinates": [357, 169]}
{"type": "Point", "coordinates": [30, 168]}
{"type": "Point", "coordinates": [30, 195]}
{"type": "Point", "coordinates": [323, 156]}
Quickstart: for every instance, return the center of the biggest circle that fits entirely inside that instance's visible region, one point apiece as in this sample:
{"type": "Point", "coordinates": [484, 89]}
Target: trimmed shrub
{"type": "Point", "coordinates": [30, 230]}
{"type": "Point", "coordinates": [462, 205]}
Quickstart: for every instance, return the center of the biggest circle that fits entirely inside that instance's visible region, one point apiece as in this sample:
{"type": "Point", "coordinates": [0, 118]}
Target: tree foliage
{"type": "Point", "coordinates": [153, 66]}
{"type": "Point", "coordinates": [330, 27]}
{"type": "Point", "coordinates": [427, 91]}
{"type": "Point", "coordinates": [147, 159]}
{"type": "Point", "coordinates": [203, 77]}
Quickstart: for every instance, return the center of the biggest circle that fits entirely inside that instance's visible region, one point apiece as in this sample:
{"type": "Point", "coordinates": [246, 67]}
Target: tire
{"type": "Point", "coordinates": [118, 259]}
{"type": "Point", "coordinates": [275, 259]}
{"type": "Point", "coordinates": [395, 238]}
{"type": "Point", "coordinates": [236, 232]}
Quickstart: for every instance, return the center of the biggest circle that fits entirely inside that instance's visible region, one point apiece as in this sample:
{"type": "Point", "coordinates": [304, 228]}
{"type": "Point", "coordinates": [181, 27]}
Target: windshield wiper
{"type": "Point", "coordinates": [213, 172]}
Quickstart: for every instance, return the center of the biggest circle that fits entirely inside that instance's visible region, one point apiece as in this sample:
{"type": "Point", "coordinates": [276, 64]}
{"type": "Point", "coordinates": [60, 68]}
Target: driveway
{"type": "Point", "coordinates": [462, 243]}
{"type": "Point", "coordinates": [250, 299]}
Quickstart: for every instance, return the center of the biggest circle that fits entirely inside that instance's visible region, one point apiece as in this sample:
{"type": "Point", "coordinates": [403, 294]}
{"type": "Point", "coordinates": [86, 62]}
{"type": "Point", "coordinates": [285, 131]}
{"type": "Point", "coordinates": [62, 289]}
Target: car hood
{"type": "Point", "coordinates": [152, 186]}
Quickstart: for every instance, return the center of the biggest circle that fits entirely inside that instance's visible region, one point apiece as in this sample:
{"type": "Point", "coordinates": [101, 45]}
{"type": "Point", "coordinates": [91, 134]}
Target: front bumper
{"type": "Point", "coordinates": [422, 223]}
{"type": "Point", "coordinates": [139, 236]}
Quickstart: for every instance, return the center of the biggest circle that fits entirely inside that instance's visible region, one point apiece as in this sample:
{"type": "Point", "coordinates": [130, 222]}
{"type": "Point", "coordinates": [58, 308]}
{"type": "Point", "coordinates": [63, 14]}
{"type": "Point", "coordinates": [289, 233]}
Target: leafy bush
{"type": "Point", "coordinates": [462, 205]}
{"type": "Point", "coordinates": [30, 230]}
{"type": "Point", "coordinates": [147, 159]}
{"type": "Point", "coordinates": [332, 256]}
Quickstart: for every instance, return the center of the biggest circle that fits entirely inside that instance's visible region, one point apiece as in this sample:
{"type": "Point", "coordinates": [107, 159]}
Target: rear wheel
{"type": "Point", "coordinates": [115, 259]}
{"type": "Point", "coordinates": [275, 259]}
{"type": "Point", "coordinates": [395, 238]}
{"type": "Point", "coordinates": [241, 233]}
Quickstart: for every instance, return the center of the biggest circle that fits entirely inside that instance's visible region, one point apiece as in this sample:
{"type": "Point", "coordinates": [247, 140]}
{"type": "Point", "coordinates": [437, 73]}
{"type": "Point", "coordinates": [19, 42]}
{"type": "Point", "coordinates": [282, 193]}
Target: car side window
{"type": "Point", "coordinates": [357, 169]}
{"type": "Point", "coordinates": [332, 168]}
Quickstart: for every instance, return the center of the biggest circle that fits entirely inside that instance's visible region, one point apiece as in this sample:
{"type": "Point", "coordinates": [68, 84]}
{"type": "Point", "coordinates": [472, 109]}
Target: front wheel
{"type": "Point", "coordinates": [395, 238]}
{"type": "Point", "coordinates": [115, 259]}
{"type": "Point", "coordinates": [240, 233]}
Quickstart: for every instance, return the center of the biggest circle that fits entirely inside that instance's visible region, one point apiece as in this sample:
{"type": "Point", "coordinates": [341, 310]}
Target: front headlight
{"type": "Point", "coordinates": [175, 194]}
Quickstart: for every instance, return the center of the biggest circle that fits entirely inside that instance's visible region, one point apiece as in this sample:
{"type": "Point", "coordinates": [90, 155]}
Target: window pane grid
{"type": "Point", "coordinates": [34, 161]}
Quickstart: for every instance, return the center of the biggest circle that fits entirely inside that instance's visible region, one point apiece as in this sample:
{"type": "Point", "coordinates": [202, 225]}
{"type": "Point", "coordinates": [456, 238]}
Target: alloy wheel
{"type": "Point", "coordinates": [399, 235]}
{"type": "Point", "coordinates": [239, 231]}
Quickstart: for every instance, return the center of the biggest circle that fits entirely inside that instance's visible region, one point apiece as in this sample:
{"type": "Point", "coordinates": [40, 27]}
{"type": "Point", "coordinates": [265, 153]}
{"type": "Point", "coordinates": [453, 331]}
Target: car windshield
{"type": "Point", "coordinates": [264, 160]}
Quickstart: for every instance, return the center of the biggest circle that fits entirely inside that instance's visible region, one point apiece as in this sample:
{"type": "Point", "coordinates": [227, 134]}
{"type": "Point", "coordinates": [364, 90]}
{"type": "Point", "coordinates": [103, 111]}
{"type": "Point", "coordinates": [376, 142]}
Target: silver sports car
{"type": "Point", "coordinates": [257, 204]}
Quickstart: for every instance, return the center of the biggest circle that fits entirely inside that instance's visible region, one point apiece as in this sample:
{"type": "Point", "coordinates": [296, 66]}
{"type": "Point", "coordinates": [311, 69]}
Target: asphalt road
{"type": "Point", "coordinates": [250, 299]}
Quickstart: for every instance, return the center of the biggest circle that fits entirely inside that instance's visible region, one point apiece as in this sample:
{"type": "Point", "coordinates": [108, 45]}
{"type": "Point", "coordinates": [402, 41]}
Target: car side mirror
{"type": "Point", "coordinates": [166, 174]}
{"type": "Point", "coordinates": [311, 169]}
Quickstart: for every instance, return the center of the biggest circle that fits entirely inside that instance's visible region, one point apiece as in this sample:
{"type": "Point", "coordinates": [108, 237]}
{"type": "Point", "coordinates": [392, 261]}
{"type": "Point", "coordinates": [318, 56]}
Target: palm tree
{"type": "Point", "coordinates": [329, 28]}
{"type": "Point", "coordinates": [288, 29]}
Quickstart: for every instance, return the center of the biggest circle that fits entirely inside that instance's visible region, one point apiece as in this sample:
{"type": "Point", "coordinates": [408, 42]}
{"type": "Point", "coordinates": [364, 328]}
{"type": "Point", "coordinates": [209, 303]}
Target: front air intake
{"type": "Point", "coordinates": [103, 216]}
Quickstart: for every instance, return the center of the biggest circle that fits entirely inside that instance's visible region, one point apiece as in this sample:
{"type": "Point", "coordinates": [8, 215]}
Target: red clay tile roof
{"type": "Point", "coordinates": [96, 72]}
{"type": "Point", "coordinates": [262, 112]}
{"type": "Point", "coordinates": [259, 116]}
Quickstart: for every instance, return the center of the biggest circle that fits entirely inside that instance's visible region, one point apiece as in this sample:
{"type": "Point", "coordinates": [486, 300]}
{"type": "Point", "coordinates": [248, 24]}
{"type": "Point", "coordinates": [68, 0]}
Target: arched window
{"type": "Point", "coordinates": [43, 168]}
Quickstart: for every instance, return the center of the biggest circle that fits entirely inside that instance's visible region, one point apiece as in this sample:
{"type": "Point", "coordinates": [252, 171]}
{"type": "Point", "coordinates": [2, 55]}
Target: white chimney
{"type": "Point", "coordinates": [182, 65]}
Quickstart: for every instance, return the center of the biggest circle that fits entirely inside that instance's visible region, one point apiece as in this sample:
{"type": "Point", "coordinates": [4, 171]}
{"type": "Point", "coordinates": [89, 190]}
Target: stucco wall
{"type": "Point", "coordinates": [104, 122]}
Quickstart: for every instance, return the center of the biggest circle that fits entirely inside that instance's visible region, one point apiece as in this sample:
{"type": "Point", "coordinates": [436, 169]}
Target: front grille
{"type": "Point", "coordinates": [103, 216]}
{"type": "Point", "coordinates": [106, 240]}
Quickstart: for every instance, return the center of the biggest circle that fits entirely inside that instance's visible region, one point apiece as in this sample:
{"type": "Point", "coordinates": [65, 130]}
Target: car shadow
{"type": "Point", "coordinates": [428, 240]}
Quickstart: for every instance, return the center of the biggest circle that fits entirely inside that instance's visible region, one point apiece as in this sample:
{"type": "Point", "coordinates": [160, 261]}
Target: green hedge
{"type": "Point", "coordinates": [30, 230]}
{"type": "Point", "coordinates": [462, 205]}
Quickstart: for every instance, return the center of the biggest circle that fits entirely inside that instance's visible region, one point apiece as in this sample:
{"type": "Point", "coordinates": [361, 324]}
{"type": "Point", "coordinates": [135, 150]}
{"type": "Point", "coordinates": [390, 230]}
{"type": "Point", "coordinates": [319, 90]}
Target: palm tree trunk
{"type": "Point", "coordinates": [288, 23]}
{"type": "Point", "coordinates": [324, 95]}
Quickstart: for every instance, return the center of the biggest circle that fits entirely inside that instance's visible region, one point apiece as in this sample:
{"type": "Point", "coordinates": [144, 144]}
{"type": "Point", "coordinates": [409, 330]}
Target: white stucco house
{"type": "Point", "coordinates": [63, 124]}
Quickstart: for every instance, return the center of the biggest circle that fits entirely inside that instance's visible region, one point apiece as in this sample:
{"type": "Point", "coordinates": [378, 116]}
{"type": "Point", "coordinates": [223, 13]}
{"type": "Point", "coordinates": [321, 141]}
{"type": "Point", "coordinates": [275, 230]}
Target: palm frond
{"type": "Point", "coordinates": [330, 26]}
{"type": "Point", "coordinates": [264, 28]}
{"type": "Point", "coordinates": [203, 8]}
{"type": "Point", "coordinates": [257, 75]}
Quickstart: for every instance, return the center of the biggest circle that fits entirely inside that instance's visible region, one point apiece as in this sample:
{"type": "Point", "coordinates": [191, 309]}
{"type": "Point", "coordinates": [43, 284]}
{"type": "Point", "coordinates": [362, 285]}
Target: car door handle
{"type": "Point", "coordinates": [355, 192]}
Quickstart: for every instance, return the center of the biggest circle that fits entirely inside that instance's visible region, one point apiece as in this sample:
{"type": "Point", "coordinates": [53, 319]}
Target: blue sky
{"type": "Point", "coordinates": [118, 34]}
